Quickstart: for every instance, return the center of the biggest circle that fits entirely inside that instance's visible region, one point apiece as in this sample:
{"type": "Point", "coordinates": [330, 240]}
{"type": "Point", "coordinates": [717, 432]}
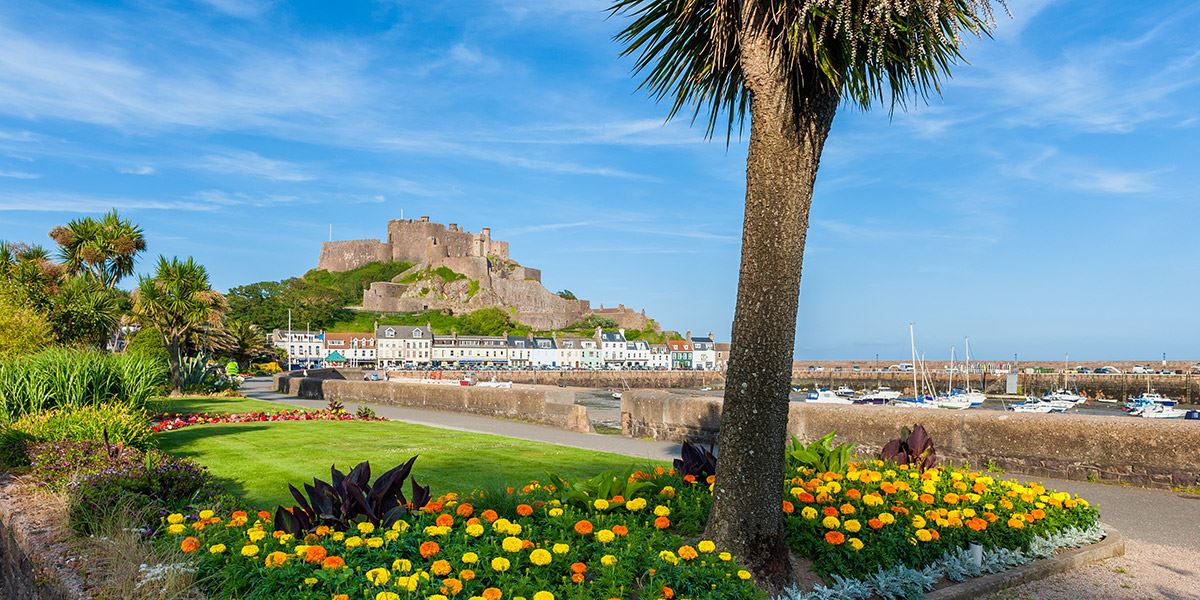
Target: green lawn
{"type": "Point", "coordinates": [256, 461]}
{"type": "Point", "coordinates": [212, 405]}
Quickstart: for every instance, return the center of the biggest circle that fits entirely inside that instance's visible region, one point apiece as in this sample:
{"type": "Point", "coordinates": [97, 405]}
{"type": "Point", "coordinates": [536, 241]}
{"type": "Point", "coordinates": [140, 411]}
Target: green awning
{"type": "Point", "coordinates": [335, 356]}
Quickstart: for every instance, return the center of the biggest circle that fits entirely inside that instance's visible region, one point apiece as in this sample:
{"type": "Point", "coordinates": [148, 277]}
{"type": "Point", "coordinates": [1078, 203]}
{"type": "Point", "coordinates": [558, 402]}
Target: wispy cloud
{"type": "Point", "coordinates": [138, 170]}
{"type": "Point", "coordinates": [874, 233]}
{"type": "Point", "coordinates": [544, 227]}
{"type": "Point", "coordinates": [243, 9]}
{"type": "Point", "coordinates": [84, 203]}
{"type": "Point", "coordinates": [1049, 165]}
{"type": "Point", "coordinates": [245, 162]}
{"type": "Point", "coordinates": [20, 175]}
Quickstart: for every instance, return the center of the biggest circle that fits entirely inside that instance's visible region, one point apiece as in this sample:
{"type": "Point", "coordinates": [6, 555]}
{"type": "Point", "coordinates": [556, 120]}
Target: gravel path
{"type": "Point", "coordinates": [1147, 571]}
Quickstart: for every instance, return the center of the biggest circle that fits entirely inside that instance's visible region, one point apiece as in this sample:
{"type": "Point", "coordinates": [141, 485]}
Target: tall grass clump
{"type": "Point", "coordinates": [62, 378]}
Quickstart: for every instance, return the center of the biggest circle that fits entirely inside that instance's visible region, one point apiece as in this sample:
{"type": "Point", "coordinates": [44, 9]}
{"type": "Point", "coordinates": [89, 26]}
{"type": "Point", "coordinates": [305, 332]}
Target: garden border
{"type": "Point", "coordinates": [1111, 546]}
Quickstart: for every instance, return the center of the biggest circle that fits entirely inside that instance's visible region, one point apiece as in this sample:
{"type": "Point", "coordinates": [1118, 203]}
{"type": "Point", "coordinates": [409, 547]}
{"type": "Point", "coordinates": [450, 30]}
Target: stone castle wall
{"type": "Point", "coordinates": [351, 254]}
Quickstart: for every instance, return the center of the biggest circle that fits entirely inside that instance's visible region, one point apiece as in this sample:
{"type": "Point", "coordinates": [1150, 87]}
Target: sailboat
{"type": "Point", "coordinates": [953, 398]}
{"type": "Point", "coordinates": [1063, 394]}
{"type": "Point", "coordinates": [919, 399]}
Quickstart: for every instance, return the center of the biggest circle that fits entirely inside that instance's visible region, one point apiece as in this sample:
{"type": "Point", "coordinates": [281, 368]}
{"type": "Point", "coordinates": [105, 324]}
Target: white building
{"type": "Point", "coordinates": [637, 354]}
{"type": "Point", "coordinates": [401, 346]}
{"type": "Point", "coordinates": [660, 357]}
{"type": "Point", "coordinates": [613, 347]}
{"type": "Point", "coordinates": [519, 351]}
{"type": "Point", "coordinates": [304, 349]}
{"type": "Point", "coordinates": [544, 353]}
{"type": "Point", "coordinates": [704, 352]}
{"type": "Point", "coordinates": [467, 351]}
{"type": "Point", "coordinates": [579, 353]}
{"type": "Point", "coordinates": [349, 349]}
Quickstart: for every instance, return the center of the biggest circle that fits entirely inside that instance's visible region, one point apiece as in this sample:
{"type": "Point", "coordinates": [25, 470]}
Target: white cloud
{"type": "Point", "coordinates": [83, 203]}
{"type": "Point", "coordinates": [245, 162]}
{"type": "Point", "coordinates": [139, 170]}
{"type": "Point", "coordinates": [20, 175]}
{"type": "Point", "coordinates": [1048, 165]}
{"type": "Point", "coordinates": [244, 9]}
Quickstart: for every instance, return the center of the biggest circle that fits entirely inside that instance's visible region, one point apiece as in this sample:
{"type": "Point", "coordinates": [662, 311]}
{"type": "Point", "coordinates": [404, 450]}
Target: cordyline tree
{"type": "Point", "coordinates": [177, 302]}
{"type": "Point", "coordinates": [788, 65]}
{"type": "Point", "coordinates": [104, 249]}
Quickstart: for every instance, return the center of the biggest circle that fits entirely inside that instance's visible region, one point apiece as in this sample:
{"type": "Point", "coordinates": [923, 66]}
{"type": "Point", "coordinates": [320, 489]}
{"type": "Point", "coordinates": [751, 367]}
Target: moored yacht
{"type": "Point", "coordinates": [1064, 395]}
{"type": "Point", "coordinates": [844, 392]}
{"type": "Point", "coordinates": [824, 396]}
{"type": "Point", "coordinates": [1156, 398]}
{"type": "Point", "coordinates": [881, 395]}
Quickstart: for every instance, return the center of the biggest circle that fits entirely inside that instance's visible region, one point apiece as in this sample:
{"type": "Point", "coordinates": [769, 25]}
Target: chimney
{"type": "Point", "coordinates": [711, 336]}
{"type": "Point", "coordinates": [598, 331]}
{"type": "Point", "coordinates": [622, 330]}
{"type": "Point", "coordinates": [688, 336]}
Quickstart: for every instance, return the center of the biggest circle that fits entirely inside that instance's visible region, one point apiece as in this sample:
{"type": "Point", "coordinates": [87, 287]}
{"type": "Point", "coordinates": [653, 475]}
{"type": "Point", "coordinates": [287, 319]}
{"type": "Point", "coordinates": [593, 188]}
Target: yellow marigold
{"type": "Point", "coordinates": [661, 511]}
{"type": "Point", "coordinates": [391, 535]}
{"type": "Point", "coordinates": [389, 596]}
{"type": "Point", "coordinates": [433, 597]}
{"type": "Point", "coordinates": [830, 523]}
{"type": "Point", "coordinates": [608, 560]}
{"type": "Point", "coordinates": [560, 548]}
{"type": "Point", "coordinates": [540, 557]}
{"type": "Point", "coordinates": [918, 522]}
{"type": "Point", "coordinates": [256, 534]}
{"type": "Point", "coordinates": [543, 595]}
{"type": "Point", "coordinates": [354, 542]}
{"type": "Point", "coordinates": [512, 544]}
{"type": "Point", "coordinates": [475, 530]}
{"type": "Point", "coordinates": [374, 542]}
{"type": "Point", "coordinates": [687, 553]}
{"type": "Point", "coordinates": [605, 536]}
{"type": "Point", "coordinates": [855, 543]}
{"type": "Point", "coordinates": [668, 557]}
{"type": "Point", "coordinates": [500, 564]}
{"type": "Point", "coordinates": [249, 550]}
{"type": "Point", "coordinates": [400, 526]}
{"type": "Point", "coordinates": [276, 559]}
{"type": "Point", "coordinates": [706, 546]}
{"type": "Point", "coordinates": [555, 512]}
{"type": "Point", "coordinates": [378, 576]}
{"type": "Point", "coordinates": [852, 525]}
{"type": "Point", "coordinates": [206, 514]}
{"type": "Point", "coordinates": [176, 529]}
{"type": "Point", "coordinates": [402, 565]}
{"type": "Point", "coordinates": [310, 581]}
{"type": "Point", "coordinates": [887, 518]}
{"type": "Point", "coordinates": [216, 549]}
{"type": "Point", "coordinates": [174, 518]}
{"type": "Point", "coordinates": [636, 504]}
{"type": "Point", "coordinates": [366, 528]}
{"type": "Point", "coordinates": [600, 504]}
{"type": "Point", "coordinates": [1016, 522]}
{"type": "Point", "coordinates": [470, 558]}
{"type": "Point", "coordinates": [441, 567]}
{"type": "Point", "coordinates": [808, 512]}
{"type": "Point", "coordinates": [725, 556]}
{"type": "Point", "coordinates": [924, 535]}
{"type": "Point", "coordinates": [743, 574]}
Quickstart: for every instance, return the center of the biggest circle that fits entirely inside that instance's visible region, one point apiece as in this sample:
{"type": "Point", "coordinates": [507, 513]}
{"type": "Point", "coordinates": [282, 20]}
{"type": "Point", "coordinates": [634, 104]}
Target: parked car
{"type": "Point", "coordinates": [1141, 370]}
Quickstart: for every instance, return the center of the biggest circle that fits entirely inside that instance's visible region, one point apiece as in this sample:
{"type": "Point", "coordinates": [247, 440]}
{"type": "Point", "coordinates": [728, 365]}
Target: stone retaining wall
{"type": "Point", "coordinates": [1147, 452]}
{"type": "Point", "coordinates": [25, 570]}
{"type": "Point", "coordinates": [590, 379]}
{"type": "Point", "coordinates": [1184, 388]}
{"type": "Point", "coordinates": [545, 405]}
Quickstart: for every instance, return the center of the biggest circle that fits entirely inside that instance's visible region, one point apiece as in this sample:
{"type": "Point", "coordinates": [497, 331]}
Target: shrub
{"type": "Point", "coordinates": [59, 378]}
{"type": "Point", "coordinates": [54, 465]}
{"type": "Point", "coordinates": [914, 448]}
{"type": "Point", "coordinates": [352, 498]}
{"type": "Point", "coordinates": [267, 368]}
{"type": "Point", "coordinates": [695, 461]}
{"type": "Point", "coordinates": [21, 328]}
{"type": "Point", "coordinates": [156, 482]}
{"type": "Point", "coordinates": [819, 455]}
{"type": "Point", "coordinates": [122, 423]}
{"type": "Point", "coordinates": [14, 448]}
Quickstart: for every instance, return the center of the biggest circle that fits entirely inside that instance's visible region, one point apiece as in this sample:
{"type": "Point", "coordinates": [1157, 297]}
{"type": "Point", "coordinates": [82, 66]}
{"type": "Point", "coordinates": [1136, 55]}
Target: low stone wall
{"type": "Point", "coordinates": [25, 570]}
{"type": "Point", "coordinates": [590, 379]}
{"type": "Point", "coordinates": [1146, 452]}
{"type": "Point", "coordinates": [545, 405]}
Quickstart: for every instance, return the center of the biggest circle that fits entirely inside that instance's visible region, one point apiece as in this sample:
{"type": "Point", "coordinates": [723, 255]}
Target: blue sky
{"type": "Point", "coordinates": [1045, 204]}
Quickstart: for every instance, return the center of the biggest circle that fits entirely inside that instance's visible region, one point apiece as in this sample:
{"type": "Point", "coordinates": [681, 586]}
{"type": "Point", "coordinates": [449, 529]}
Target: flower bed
{"type": "Point", "coordinates": [173, 421]}
{"type": "Point", "coordinates": [553, 541]}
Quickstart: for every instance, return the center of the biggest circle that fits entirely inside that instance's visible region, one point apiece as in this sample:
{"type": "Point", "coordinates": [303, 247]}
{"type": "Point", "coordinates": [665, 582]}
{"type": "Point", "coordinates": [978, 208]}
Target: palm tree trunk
{"type": "Point", "coordinates": [173, 359]}
{"type": "Point", "coordinates": [786, 139]}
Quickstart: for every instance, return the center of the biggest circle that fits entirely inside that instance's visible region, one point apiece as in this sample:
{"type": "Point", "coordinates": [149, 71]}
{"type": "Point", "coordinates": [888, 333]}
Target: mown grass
{"type": "Point", "coordinates": [213, 405]}
{"type": "Point", "coordinates": [256, 461]}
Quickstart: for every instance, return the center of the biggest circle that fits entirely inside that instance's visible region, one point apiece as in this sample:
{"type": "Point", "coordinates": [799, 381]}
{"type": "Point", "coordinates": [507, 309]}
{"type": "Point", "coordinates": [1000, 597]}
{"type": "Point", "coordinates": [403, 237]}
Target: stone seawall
{"type": "Point", "coordinates": [1184, 388]}
{"type": "Point", "coordinates": [545, 405]}
{"type": "Point", "coordinates": [590, 379]}
{"type": "Point", "coordinates": [1144, 452]}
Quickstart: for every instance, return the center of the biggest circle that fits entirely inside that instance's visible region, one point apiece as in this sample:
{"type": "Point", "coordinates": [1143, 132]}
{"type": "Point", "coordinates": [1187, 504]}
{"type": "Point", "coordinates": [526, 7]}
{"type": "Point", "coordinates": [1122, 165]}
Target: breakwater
{"type": "Point", "coordinates": [589, 379]}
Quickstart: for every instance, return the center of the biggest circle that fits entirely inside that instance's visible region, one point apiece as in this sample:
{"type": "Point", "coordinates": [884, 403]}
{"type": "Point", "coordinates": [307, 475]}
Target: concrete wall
{"type": "Point", "coordinates": [540, 404]}
{"type": "Point", "coordinates": [1116, 449]}
{"type": "Point", "coordinates": [1185, 388]}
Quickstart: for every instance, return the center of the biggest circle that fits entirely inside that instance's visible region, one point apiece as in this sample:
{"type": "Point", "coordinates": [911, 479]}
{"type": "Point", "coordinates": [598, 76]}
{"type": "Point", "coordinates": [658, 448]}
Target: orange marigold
{"type": "Point", "coordinates": [620, 530]}
{"type": "Point", "coordinates": [689, 478]}
{"type": "Point", "coordinates": [189, 544]}
{"type": "Point", "coordinates": [490, 515]}
{"type": "Point", "coordinates": [806, 498]}
{"type": "Point", "coordinates": [444, 520]}
{"type": "Point", "coordinates": [464, 510]}
{"type": "Point", "coordinates": [524, 510]}
{"type": "Point", "coordinates": [847, 509]}
{"type": "Point", "coordinates": [662, 522]}
{"type": "Point", "coordinates": [314, 554]}
{"type": "Point", "coordinates": [875, 524]}
{"type": "Point", "coordinates": [583, 527]}
{"type": "Point", "coordinates": [333, 562]}
{"type": "Point", "coordinates": [440, 567]}
{"type": "Point", "coordinates": [668, 592]}
{"type": "Point", "coordinates": [835, 538]}
{"type": "Point", "coordinates": [829, 511]}
{"type": "Point", "coordinates": [492, 594]}
{"type": "Point", "coordinates": [687, 553]}
{"type": "Point", "coordinates": [466, 574]}
{"type": "Point", "coordinates": [429, 549]}
{"type": "Point", "coordinates": [451, 586]}
{"type": "Point", "coordinates": [788, 507]}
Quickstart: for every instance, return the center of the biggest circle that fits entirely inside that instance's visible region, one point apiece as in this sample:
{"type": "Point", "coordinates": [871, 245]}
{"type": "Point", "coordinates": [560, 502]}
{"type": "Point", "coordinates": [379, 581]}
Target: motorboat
{"type": "Point", "coordinates": [844, 392]}
{"type": "Point", "coordinates": [825, 396]}
{"type": "Point", "coordinates": [961, 399]}
{"type": "Point", "coordinates": [881, 395]}
{"type": "Point", "coordinates": [1159, 411]}
{"type": "Point", "coordinates": [917, 402]}
{"type": "Point", "coordinates": [1041, 405]}
{"type": "Point", "coordinates": [1155, 398]}
{"type": "Point", "coordinates": [1064, 395]}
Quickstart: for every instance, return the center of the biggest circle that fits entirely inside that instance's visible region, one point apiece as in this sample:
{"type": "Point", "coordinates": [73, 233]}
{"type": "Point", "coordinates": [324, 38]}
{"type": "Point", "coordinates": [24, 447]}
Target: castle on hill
{"type": "Point", "coordinates": [488, 276]}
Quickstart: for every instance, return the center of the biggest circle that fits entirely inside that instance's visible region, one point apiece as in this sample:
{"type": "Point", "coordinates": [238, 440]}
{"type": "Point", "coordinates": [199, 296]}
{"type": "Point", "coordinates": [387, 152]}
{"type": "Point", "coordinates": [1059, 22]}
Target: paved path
{"type": "Point", "coordinates": [1149, 515]}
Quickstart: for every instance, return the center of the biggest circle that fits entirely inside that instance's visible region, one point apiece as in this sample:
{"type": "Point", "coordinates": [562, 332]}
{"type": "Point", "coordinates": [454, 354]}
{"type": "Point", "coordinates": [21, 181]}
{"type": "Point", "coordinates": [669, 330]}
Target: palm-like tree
{"type": "Point", "coordinates": [104, 249]}
{"type": "Point", "coordinates": [789, 64]}
{"type": "Point", "coordinates": [177, 301]}
{"type": "Point", "coordinates": [248, 341]}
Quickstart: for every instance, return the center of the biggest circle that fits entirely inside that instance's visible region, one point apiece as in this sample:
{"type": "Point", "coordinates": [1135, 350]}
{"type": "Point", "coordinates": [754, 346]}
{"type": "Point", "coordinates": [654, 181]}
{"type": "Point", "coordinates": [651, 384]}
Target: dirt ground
{"type": "Point", "coordinates": [1147, 572]}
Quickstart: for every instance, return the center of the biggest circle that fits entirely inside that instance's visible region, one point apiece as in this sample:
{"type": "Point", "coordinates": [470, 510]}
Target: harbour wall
{"type": "Point", "coordinates": [1183, 388]}
{"type": "Point", "coordinates": [589, 379]}
{"type": "Point", "coordinates": [540, 404]}
{"type": "Point", "coordinates": [1152, 453]}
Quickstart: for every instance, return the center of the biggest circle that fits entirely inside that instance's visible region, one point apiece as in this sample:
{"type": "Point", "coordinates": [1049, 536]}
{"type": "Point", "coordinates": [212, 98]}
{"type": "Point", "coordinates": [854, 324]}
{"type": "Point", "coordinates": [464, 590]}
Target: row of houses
{"type": "Point", "coordinates": [416, 346]}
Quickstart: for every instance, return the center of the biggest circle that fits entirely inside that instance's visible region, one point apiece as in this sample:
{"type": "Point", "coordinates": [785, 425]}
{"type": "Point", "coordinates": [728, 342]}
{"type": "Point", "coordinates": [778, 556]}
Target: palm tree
{"type": "Point", "coordinates": [249, 341]}
{"type": "Point", "coordinates": [177, 301]}
{"type": "Point", "coordinates": [104, 249]}
{"type": "Point", "coordinates": [789, 64]}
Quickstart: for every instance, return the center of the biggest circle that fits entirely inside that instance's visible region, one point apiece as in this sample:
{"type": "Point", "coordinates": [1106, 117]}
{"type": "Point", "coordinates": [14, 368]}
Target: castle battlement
{"type": "Point", "coordinates": [415, 241]}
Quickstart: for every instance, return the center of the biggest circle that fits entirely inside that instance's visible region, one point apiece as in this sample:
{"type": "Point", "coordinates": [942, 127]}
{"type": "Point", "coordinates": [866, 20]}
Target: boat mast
{"type": "Point", "coordinates": [967, 344]}
{"type": "Point", "coordinates": [950, 389]}
{"type": "Point", "coordinates": [912, 340]}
